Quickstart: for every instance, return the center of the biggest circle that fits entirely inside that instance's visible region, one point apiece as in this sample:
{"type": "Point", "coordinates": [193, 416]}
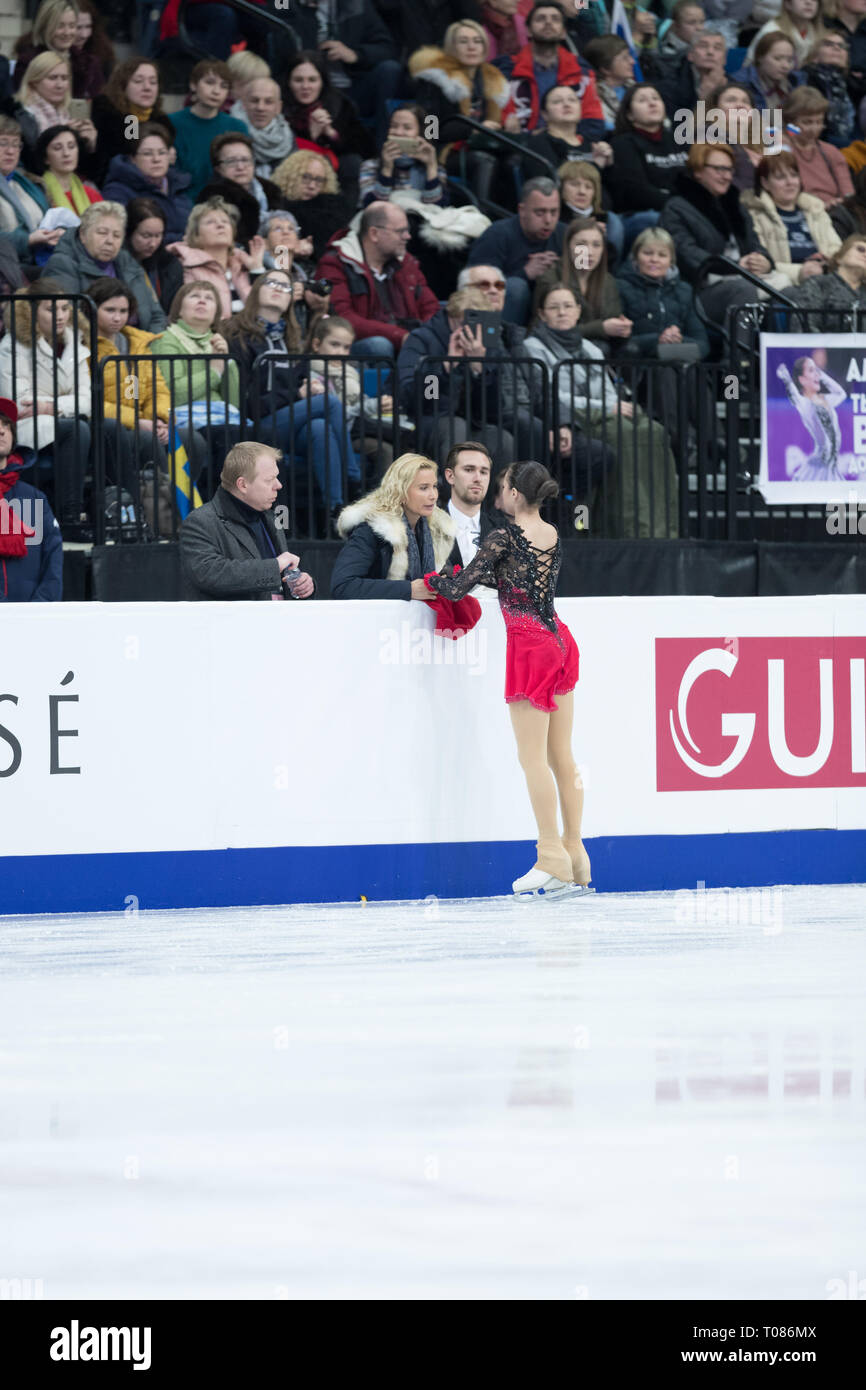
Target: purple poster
{"type": "Point", "coordinates": [813, 418]}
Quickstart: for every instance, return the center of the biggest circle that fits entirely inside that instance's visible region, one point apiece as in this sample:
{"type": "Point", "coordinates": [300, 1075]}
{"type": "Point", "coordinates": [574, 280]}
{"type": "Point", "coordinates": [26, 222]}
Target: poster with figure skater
{"type": "Point", "coordinates": [813, 418]}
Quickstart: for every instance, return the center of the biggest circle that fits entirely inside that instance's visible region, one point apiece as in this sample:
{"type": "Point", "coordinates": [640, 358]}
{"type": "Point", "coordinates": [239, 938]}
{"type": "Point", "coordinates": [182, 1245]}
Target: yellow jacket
{"type": "Point", "coordinates": [125, 379]}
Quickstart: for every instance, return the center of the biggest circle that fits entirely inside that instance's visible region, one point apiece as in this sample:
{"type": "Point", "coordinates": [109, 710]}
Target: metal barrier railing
{"type": "Point", "coordinates": [501, 401]}
{"type": "Point", "coordinates": [680, 460]}
{"type": "Point", "coordinates": [45, 370]}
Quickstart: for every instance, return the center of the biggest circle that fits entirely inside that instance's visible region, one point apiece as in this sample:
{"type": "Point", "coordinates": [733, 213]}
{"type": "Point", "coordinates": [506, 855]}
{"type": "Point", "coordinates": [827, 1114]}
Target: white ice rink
{"type": "Point", "coordinates": [655, 1096]}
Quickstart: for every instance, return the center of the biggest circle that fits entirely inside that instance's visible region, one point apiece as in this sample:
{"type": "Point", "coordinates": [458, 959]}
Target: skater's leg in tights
{"type": "Point", "coordinates": [530, 727]}
{"type": "Point", "coordinates": [568, 780]}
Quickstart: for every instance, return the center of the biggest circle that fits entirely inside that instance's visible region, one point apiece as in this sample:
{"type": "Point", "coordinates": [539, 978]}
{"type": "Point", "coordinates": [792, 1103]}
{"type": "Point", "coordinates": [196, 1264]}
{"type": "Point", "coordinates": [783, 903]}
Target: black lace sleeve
{"type": "Point", "coordinates": [483, 569]}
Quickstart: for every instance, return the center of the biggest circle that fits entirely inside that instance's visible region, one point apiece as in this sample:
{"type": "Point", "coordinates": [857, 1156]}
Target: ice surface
{"type": "Point", "coordinates": [625, 1096]}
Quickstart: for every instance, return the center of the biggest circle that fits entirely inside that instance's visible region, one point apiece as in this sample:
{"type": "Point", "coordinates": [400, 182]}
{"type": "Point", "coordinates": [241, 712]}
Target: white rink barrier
{"type": "Point", "coordinates": [213, 754]}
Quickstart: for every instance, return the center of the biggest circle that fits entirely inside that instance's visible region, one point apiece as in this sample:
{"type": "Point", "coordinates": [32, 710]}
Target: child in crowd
{"type": "Point", "coordinates": [197, 125]}
{"type": "Point", "coordinates": [334, 337]}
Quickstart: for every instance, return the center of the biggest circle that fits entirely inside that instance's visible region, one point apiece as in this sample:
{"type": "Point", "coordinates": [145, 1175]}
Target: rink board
{"type": "Point", "coordinates": [174, 755]}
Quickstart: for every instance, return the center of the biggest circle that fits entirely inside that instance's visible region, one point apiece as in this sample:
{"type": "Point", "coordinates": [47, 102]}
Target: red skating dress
{"type": "Point", "coordinates": [541, 656]}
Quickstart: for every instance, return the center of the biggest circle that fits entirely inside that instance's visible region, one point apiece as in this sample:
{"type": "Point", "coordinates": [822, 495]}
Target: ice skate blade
{"type": "Point", "coordinates": [552, 895]}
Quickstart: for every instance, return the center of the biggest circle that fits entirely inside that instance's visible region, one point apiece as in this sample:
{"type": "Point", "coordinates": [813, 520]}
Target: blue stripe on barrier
{"type": "Point", "coordinates": [342, 873]}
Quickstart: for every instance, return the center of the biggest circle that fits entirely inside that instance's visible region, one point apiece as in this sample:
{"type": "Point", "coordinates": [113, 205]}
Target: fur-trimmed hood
{"type": "Point", "coordinates": [390, 529]}
{"type": "Point", "coordinates": [435, 66]}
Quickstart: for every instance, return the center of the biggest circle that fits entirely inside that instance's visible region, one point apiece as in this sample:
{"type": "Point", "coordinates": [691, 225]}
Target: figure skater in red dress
{"type": "Point", "coordinates": [522, 560]}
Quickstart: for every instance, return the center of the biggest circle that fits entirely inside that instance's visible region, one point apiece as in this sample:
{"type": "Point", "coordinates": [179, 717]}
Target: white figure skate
{"type": "Point", "coordinates": [540, 884]}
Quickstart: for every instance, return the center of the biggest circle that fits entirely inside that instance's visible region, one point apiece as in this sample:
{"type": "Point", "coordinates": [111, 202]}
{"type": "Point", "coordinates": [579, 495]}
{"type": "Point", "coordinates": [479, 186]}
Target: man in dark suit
{"type": "Point", "coordinates": [468, 468]}
{"type": "Point", "coordinates": [233, 546]}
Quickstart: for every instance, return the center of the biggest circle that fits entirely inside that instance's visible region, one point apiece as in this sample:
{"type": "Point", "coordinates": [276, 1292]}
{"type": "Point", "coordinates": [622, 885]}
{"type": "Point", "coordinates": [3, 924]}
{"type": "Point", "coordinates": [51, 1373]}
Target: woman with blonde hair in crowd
{"type": "Point", "coordinates": [208, 252]}
{"type": "Point", "coordinates": [395, 535]}
{"type": "Point", "coordinates": [309, 185]}
{"type": "Point", "coordinates": [44, 98]}
{"type": "Point", "coordinates": [457, 79]}
{"type": "Point", "coordinates": [55, 29]}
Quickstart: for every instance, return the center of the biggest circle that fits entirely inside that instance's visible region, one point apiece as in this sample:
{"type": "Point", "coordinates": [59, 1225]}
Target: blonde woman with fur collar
{"type": "Point", "coordinates": [456, 79]}
{"type": "Point", "coordinates": [794, 226]}
{"type": "Point", "coordinates": [395, 535]}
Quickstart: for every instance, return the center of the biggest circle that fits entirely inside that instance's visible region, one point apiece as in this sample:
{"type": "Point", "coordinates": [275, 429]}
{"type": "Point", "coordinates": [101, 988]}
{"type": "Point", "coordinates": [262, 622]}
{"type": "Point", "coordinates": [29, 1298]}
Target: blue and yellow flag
{"type": "Point", "coordinates": [186, 494]}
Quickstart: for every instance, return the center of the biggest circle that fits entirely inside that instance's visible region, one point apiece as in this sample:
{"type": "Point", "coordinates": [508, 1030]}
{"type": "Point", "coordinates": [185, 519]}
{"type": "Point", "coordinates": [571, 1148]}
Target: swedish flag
{"type": "Point", "coordinates": [186, 494]}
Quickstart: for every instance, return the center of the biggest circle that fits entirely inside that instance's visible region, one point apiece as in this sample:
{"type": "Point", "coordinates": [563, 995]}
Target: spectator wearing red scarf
{"type": "Point", "coordinates": [31, 550]}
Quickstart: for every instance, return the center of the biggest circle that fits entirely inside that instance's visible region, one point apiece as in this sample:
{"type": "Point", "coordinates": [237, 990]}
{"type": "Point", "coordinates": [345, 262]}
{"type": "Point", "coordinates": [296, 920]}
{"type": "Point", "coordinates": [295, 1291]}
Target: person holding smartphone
{"type": "Point", "coordinates": [406, 161]}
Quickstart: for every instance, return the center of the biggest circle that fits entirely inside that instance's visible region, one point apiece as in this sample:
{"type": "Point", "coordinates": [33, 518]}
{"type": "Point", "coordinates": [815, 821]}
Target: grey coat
{"type": "Point", "coordinates": [220, 559]}
{"type": "Point", "coordinates": [824, 293]}
{"type": "Point", "coordinates": [74, 269]}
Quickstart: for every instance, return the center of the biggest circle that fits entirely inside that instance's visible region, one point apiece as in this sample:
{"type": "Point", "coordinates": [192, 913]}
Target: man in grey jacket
{"type": "Point", "coordinates": [85, 253]}
{"type": "Point", "coordinates": [232, 547]}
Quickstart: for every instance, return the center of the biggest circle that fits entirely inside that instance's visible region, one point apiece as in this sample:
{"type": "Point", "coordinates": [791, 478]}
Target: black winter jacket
{"type": "Point", "coordinates": [701, 224]}
{"type": "Point", "coordinates": [269, 383]}
{"type": "Point", "coordinates": [653, 306]}
{"type": "Point", "coordinates": [415, 26]}
{"type": "Point", "coordinates": [356, 23]}
{"type": "Point", "coordinates": [644, 171]}
{"type": "Point", "coordinates": [376, 548]}
{"type": "Point", "coordinates": [111, 131]}
{"type": "Point", "coordinates": [125, 181]}
{"type": "Point", "coordinates": [504, 388]}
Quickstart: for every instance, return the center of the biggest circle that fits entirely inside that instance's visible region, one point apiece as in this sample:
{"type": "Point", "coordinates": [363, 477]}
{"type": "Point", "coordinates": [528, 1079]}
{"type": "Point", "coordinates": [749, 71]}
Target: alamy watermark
{"type": "Point", "coordinates": [847, 518]}
{"type": "Point", "coordinates": [717, 127]}
{"type": "Point", "coordinates": [28, 512]}
{"type": "Point", "coordinates": [755, 907]}
{"type": "Point", "coordinates": [418, 646]}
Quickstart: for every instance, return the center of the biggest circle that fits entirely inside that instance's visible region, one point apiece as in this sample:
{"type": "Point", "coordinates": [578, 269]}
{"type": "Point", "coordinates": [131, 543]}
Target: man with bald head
{"type": "Point", "coordinates": [375, 283]}
{"type": "Point", "coordinates": [261, 110]}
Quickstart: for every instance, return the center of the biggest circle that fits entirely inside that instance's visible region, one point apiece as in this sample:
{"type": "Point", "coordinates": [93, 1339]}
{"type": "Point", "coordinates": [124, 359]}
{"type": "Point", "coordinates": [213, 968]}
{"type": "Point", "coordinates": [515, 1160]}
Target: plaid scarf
{"type": "Point", "coordinates": [420, 563]}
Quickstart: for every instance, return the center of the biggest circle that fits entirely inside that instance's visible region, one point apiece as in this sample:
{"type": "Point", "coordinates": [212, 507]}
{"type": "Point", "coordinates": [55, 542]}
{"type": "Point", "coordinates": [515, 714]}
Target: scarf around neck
{"type": "Point", "coordinates": [45, 114]}
{"type": "Point", "coordinates": [57, 193]}
{"type": "Point", "coordinates": [563, 342]}
{"type": "Point", "coordinates": [423, 562]}
{"type": "Point", "coordinates": [194, 343]}
{"type": "Point", "coordinates": [271, 145]}
{"type": "Point", "coordinates": [13, 533]}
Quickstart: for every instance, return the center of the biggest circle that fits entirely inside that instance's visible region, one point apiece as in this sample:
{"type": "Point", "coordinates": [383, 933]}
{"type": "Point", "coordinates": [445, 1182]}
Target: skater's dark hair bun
{"type": "Point", "coordinates": [533, 482]}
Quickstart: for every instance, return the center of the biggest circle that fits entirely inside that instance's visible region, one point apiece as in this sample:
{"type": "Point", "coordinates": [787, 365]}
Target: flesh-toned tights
{"type": "Point", "coordinates": [544, 750]}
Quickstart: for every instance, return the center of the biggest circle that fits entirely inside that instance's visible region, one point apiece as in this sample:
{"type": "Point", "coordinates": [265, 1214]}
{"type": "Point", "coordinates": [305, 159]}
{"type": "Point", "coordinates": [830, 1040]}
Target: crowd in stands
{"type": "Point", "coordinates": [393, 182]}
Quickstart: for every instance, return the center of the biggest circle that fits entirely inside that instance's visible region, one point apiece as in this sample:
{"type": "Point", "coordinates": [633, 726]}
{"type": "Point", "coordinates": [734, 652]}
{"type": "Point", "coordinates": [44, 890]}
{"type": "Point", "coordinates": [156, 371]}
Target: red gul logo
{"type": "Point", "coordinates": [760, 712]}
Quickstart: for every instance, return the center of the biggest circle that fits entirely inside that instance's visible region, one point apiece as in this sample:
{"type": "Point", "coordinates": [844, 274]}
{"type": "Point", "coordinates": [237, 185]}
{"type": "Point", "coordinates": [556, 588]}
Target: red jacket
{"type": "Point", "coordinates": [570, 73]}
{"type": "Point", "coordinates": [355, 292]}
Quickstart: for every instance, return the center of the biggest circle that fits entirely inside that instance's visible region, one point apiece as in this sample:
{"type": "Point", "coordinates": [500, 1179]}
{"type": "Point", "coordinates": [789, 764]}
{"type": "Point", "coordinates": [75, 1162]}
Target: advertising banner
{"type": "Point", "coordinates": [813, 420]}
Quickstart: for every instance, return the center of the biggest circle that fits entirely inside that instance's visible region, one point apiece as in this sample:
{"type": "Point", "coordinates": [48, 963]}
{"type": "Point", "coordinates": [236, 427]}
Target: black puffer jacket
{"type": "Point", "coordinates": [701, 226]}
